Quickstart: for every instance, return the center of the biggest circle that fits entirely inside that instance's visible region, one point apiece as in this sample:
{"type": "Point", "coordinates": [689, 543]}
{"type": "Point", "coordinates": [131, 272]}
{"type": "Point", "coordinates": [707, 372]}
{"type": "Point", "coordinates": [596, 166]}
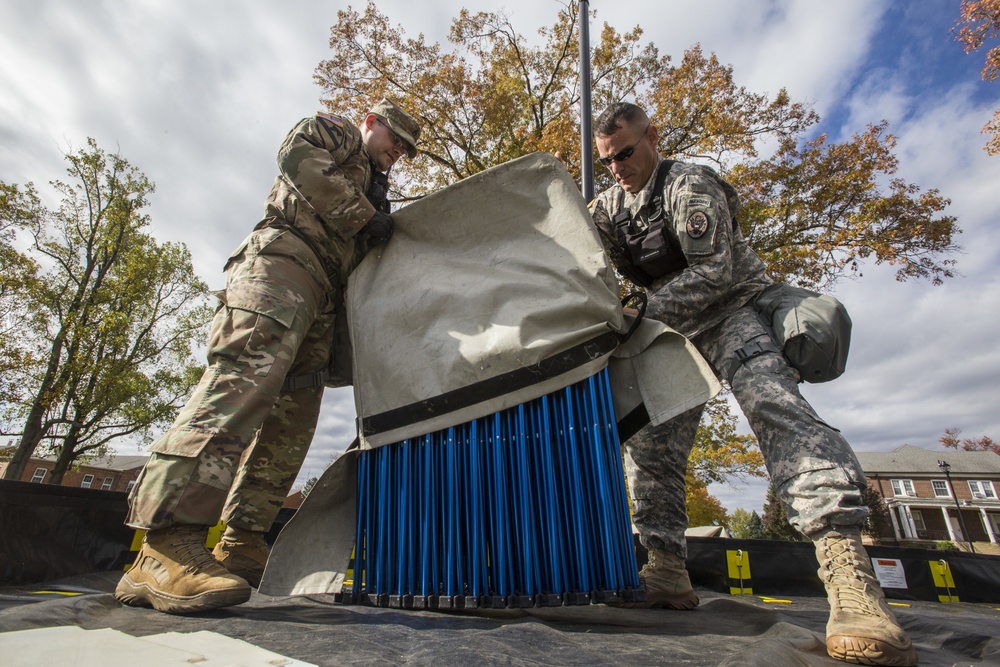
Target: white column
{"type": "Point", "coordinates": [947, 523]}
{"type": "Point", "coordinates": [909, 522]}
{"type": "Point", "coordinates": [989, 526]}
{"type": "Point", "coordinates": [895, 524]}
{"type": "Point", "coordinates": [902, 521]}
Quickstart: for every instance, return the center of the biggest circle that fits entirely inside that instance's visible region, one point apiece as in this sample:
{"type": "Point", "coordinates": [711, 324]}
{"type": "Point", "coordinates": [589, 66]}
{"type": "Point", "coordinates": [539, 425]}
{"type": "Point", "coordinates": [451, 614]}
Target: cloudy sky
{"type": "Point", "coordinates": [199, 95]}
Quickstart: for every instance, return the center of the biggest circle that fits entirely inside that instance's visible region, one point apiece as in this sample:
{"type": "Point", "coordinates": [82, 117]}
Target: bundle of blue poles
{"type": "Point", "coordinates": [524, 507]}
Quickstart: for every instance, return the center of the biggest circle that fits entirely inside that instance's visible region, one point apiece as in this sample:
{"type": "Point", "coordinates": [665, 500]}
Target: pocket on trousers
{"type": "Point", "coordinates": [187, 443]}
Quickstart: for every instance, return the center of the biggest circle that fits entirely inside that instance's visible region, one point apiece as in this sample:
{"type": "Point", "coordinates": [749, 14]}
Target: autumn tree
{"type": "Point", "coordinates": [985, 443]}
{"type": "Point", "coordinates": [720, 453]}
{"type": "Point", "coordinates": [17, 273]}
{"type": "Point", "coordinates": [106, 328]}
{"type": "Point", "coordinates": [814, 213]}
{"type": "Point", "coordinates": [978, 24]}
{"type": "Point", "coordinates": [703, 509]}
{"type": "Point", "coordinates": [815, 210]}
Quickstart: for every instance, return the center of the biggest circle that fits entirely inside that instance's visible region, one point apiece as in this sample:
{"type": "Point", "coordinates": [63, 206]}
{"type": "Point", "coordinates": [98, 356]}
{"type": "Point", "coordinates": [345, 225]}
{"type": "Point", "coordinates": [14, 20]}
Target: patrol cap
{"type": "Point", "coordinates": [400, 122]}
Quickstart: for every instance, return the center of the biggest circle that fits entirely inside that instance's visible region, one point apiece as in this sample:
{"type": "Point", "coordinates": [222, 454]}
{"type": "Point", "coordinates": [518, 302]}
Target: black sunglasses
{"type": "Point", "coordinates": [624, 153]}
{"type": "Point", "coordinates": [396, 141]}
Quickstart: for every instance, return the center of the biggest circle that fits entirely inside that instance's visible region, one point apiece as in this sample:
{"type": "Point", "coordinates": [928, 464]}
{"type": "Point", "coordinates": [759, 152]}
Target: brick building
{"type": "Point", "coordinates": [109, 473]}
{"type": "Point", "coordinates": [930, 502]}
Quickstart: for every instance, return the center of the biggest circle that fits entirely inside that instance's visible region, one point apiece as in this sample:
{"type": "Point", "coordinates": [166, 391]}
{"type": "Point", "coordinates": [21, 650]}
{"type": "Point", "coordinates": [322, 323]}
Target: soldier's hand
{"type": "Point", "coordinates": [378, 230]}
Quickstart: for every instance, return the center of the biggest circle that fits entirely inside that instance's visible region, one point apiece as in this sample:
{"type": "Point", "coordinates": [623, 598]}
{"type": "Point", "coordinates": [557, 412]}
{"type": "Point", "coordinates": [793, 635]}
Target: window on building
{"type": "Point", "coordinates": [981, 489]}
{"type": "Point", "coordinates": [128, 487]}
{"type": "Point", "coordinates": [940, 489]}
{"type": "Point", "coordinates": [918, 520]}
{"type": "Point", "coordinates": [39, 475]}
{"type": "Point", "coordinates": [902, 487]}
{"type": "Point", "coordinates": [108, 481]}
{"type": "Point", "coordinates": [87, 481]}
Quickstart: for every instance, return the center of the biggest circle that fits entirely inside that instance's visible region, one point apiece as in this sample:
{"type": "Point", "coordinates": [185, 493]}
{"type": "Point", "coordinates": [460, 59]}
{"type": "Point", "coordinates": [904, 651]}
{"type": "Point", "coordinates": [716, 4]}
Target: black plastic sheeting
{"type": "Point", "coordinates": [50, 532]}
{"type": "Point", "coordinates": [724, 630]}
{"type": "Point", "coordinates": [789, 568]}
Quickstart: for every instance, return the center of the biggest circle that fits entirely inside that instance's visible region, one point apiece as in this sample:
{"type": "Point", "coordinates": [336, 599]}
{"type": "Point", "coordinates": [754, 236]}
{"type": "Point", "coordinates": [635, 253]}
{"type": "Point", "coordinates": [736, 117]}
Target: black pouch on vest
{"type": "Point", "coordinates": [378, 190]}
{"type": "Point", "coordinates": [653, 252]}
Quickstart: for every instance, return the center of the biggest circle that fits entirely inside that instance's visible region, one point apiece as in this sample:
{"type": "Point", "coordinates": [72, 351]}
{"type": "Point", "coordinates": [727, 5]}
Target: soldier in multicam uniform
{"type": "Point", "coordinates": [702, 283]}
{"type": "Point", "coordinates": [236, 447]}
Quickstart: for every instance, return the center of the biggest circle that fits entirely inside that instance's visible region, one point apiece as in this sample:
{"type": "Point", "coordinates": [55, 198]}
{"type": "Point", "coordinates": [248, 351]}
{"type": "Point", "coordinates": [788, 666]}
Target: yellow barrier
{"type": "Point", "coordinates": [941, 573]}
{"type": "Point", "coordinates": [738, 562]}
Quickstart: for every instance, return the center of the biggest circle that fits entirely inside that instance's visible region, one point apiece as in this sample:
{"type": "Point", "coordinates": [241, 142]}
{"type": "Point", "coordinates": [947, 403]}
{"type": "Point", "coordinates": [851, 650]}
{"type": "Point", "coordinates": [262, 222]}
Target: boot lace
{"type": "Point", "coordinates": [192, 552]}
{"type": "Point", "coordinates": [852, 588]}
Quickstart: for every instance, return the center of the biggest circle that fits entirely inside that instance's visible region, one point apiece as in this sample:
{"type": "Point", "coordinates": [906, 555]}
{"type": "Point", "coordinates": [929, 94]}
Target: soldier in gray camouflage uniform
{"type": "Point", "coordinates": [236, 447]}
{"type": "Point", "coordinates": [704, 287]}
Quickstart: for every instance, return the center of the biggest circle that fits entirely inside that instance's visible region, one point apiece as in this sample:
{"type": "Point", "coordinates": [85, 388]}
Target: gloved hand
{"type": "Point", "coordinates": [378, 230]}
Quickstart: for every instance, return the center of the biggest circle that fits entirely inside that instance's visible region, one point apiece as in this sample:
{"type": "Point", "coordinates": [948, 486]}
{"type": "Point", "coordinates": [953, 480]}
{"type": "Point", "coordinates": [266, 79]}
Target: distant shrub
{"type": "Point", "coordinates": [945, 545]}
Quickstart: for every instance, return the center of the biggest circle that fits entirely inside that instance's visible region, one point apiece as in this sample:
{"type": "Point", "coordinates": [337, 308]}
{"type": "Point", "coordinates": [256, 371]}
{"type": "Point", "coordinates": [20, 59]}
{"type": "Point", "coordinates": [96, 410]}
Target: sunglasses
{"type": "Point", "coordinates": [624, 153]}
{"type": "Point", "coordinates": [396, 141]}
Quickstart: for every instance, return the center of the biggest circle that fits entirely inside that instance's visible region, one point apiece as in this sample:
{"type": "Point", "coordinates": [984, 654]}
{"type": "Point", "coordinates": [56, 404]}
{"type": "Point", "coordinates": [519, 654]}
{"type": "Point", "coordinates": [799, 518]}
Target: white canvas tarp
{"type": "Point", "coordinates": [482, 283]}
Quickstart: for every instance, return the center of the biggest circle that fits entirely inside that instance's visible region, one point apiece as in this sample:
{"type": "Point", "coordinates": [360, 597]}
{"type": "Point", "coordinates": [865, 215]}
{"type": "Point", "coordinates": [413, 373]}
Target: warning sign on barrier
{"type": "Point", "coordinates": [889, 572]}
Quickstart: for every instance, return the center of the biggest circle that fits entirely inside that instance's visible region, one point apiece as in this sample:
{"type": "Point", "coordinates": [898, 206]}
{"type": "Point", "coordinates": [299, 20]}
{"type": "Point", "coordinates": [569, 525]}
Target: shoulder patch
{"type": "Point", "coordinates": [697, 224]}
{"type": "Point", "coordinates": [336, 120]}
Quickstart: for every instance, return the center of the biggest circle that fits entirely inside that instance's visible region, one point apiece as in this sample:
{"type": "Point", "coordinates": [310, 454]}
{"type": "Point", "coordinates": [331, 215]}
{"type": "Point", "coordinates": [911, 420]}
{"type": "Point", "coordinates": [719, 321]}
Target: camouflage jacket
{"type": "Point", "coordinates": [324, 173]}
{"type": "Point", "coordinates": [722, 272]}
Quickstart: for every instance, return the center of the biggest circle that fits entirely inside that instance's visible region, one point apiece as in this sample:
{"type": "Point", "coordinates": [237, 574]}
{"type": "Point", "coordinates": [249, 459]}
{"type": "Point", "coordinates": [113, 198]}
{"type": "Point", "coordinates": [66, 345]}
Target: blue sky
{"type": "Point", "coordinates": [199, 96]}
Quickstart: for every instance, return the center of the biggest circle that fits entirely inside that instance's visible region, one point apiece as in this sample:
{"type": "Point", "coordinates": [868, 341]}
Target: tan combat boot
{"type": "Point", "coordinates": [862, 628]}
{"type": "Point", "coordinates": [176, 574]}
{"type": "Point", "coordinates": [244, 553]}
{"type": "Point", "coordinates": [667, 583]}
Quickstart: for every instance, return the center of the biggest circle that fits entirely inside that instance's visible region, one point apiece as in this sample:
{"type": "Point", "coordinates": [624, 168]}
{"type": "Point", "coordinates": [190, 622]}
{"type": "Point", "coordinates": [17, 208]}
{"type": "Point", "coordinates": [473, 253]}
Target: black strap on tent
{"type": "Point", "coordinates": [491, 388]}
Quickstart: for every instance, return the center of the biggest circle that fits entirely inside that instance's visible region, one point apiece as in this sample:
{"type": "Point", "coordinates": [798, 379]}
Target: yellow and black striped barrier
{"type": "Point", "coordinates": [941, 573]}
{"type": "Point", "coordinates": [738, 562]}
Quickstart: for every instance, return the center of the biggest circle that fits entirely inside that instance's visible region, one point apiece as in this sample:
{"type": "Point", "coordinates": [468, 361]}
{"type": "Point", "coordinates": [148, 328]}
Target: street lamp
{"type": "Point", "coordinates": [946, 469]}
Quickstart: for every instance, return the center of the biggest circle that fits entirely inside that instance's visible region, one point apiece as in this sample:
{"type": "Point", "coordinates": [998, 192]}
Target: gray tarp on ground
{"type": "Point", "coordinates": [741, 631]}
{"type": "Point", "coordinates": [486, 280]}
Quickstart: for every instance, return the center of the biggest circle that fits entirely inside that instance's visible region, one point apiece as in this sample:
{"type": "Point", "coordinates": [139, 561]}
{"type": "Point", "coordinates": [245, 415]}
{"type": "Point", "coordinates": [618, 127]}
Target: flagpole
{"type": "Point", "coordinates": [586, 130]}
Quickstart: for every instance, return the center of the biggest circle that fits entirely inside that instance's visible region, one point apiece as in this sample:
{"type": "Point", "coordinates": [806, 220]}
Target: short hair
{"type": "Point", "coordinates": [617, 115]}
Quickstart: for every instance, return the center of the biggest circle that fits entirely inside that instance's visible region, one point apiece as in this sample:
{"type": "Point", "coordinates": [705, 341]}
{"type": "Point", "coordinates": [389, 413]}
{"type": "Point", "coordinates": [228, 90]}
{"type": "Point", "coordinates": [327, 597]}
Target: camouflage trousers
{"type": "Point", "coordinates": [813, 468]}
{"type": "Point", "coordinates": [236, 447]}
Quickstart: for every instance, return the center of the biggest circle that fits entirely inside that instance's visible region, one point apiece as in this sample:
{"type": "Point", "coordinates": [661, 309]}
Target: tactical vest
{"type": "Point", "coordinates": [644, 255]}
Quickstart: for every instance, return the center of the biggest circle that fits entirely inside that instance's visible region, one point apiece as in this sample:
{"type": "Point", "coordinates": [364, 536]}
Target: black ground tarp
{"type": "Point", "coordinates": [724, 630]}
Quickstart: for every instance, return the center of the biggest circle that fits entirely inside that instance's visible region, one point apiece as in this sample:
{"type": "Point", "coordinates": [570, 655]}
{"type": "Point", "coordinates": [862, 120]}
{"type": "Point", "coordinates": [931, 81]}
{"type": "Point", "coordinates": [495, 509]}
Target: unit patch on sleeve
{"type": "Point", "coordinates": [697, 224]}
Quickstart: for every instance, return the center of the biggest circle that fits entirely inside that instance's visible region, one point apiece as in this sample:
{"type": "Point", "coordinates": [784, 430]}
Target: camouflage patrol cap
{"type": "Point", "coordinates": [400, 122]}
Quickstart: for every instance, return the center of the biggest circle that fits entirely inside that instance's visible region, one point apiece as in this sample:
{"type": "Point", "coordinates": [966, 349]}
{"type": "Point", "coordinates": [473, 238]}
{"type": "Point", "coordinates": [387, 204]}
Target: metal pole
{"type": "Point", "coordinates": [961, 519]}
{"type": "Point", "coordinates": [586, 131]}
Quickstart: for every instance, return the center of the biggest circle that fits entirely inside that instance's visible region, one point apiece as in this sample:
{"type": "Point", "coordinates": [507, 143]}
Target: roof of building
{"type": "Point", "coordinates": [112, 462]}
{"type": "Point", "coordinates": [910, 459]}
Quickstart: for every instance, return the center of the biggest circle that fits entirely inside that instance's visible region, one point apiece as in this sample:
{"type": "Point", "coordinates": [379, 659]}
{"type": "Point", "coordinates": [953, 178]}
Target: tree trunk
{"type": "Point", "coordinates": [33, 434]}
{"type": "Point", "coordinates": [33, 430]}
{"type": "Point", "coordinates": [67, 454]}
